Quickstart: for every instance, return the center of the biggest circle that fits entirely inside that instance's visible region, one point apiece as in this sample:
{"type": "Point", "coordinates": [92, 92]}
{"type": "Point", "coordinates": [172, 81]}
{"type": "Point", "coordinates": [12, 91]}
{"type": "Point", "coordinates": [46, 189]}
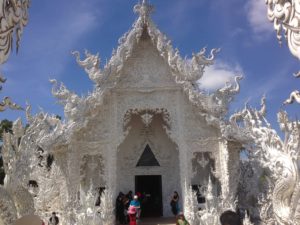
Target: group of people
{"type": "Point", "coordinates": [128, 208]}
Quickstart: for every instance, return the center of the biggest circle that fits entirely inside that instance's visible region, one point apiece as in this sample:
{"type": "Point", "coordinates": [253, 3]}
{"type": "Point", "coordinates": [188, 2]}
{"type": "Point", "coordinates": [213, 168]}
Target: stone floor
{"type": "Point", "coordinates": [157, 221]}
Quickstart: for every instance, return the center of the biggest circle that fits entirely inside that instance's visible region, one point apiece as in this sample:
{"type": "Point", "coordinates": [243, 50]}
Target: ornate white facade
{"type": "Point", "coordinates": [147, 94]}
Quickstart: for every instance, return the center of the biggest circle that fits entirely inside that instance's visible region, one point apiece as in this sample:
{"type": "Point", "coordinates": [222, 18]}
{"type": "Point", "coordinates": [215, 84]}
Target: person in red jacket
{"type": "Point", "coordinates": [132, 215]}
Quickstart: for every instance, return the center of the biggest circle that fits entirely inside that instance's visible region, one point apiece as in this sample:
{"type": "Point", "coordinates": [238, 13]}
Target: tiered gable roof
{"type": "Point", "coordinates": [185, 72]}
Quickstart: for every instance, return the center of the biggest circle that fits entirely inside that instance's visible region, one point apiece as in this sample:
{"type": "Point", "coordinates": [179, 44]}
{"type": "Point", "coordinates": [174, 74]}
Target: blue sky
{"type": "Point", "coordinates": [239, 28]}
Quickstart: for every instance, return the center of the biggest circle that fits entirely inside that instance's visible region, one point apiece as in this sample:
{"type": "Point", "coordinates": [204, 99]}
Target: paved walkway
{"type": "Point", "coordinates": [157, 221]}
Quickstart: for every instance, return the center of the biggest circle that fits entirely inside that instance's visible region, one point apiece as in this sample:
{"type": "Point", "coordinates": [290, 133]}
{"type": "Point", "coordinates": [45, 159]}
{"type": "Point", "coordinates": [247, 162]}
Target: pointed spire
{"type": "Point", "coordinates": [144, 9]}
{"type": "Point", "coordinates": [209, 193]}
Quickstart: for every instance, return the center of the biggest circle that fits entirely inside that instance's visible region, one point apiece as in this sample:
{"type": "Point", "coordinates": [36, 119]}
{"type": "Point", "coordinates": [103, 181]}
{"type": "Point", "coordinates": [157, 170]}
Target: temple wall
{"type": "Point", "coordinates": [203, 145]}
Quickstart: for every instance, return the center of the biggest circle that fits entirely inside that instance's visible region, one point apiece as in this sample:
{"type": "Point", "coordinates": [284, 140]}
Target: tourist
{"type": "Point", "coordinates": [126, 207]}
{"type": "Point", "coordinates": [120, 208]}
{"type": "Point", "coordinates": [129, 195]}
{"type": "Point", "coordinates": [139, 194]}
{"type": "Point", "coordinates": [175, 203]}
{"type": "Point", "coordinates": [53, 220]}
{"type": "Point", "coordinates": [132, 215]}
{"type": "Point", "coordinates": [230, 218]}
{"type": "Point", "coordinates": [181, 219]}
{"type": "Point", "coordinates": [136, 203]}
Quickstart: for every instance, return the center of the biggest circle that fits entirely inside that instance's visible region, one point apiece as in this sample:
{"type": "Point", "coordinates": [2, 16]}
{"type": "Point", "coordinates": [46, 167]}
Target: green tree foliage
{"type": "Point", "coordinates": [5, 126]}
{"type": "Point", "coordinates": [58, 117]}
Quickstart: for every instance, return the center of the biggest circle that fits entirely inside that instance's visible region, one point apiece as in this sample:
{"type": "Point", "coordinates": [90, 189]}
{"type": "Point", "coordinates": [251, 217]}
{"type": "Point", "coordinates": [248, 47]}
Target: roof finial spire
{"type": "Point", "coordinates": [144, 9]}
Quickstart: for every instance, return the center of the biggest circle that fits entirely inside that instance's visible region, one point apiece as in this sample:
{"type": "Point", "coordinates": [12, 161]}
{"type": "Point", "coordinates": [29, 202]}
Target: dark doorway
{"type": "Point", "coordinates": [151, 189]}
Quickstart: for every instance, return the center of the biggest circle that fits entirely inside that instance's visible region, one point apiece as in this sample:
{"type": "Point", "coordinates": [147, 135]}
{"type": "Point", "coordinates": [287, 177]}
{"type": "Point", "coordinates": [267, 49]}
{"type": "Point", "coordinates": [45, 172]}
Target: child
{"type": "Point", "coordinates": [136, 203]}
{"type": "Point", "coordinates": [132, 215]}
{"type": "Point", "coordinates": [181, 220]}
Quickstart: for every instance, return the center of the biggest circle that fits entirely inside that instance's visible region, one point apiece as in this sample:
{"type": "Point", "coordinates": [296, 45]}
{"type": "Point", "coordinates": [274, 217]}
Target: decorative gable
{"type": "Point", "coordinates": [147, 158]}
{"type": "Point", "coordinates": [146, 68]}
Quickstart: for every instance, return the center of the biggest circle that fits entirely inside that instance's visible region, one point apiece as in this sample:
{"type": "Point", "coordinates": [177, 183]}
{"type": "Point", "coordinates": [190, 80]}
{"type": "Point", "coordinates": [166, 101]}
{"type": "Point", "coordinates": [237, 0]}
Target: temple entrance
{"type": "Point", "coordinates": [148, 161]}
{"type": "Point", "coordinates": [151, 189]}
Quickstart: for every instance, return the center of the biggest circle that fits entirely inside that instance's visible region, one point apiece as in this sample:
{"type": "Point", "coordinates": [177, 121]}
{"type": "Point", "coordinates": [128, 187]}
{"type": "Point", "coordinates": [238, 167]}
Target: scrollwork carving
{"type": "Point", "coordinates": [285, 15]}
{"type": "Point", "coordinates": [91, 65]}
{"type": "Point", "coordinates": [14, 17]}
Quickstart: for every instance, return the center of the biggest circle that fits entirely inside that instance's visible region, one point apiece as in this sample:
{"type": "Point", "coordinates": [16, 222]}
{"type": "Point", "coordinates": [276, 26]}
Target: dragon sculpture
{"type": "Point", "coordinates": [279, 157]}
{"type": "Point", "coordinates": [285, 15]}
{"type": "Point", "coordinates": [91, 65]}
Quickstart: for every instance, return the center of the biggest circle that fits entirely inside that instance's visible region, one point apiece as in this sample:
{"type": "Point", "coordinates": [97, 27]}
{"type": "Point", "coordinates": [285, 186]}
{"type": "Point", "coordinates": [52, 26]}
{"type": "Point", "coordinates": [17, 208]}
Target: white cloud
{"type": "Point", "coordinates": [257, 17]}
{"type": "Point", "coordinates": [46, 52]}
{"type": "Point", "coordinates": [46, 48]}
{"type": "Point", "coordinates": [218, 74]}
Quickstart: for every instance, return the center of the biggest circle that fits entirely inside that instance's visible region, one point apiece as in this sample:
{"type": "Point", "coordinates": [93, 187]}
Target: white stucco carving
{"type": "Point", "coordinates": [280, 158]}
{"type": "Point", "coordinates": [285, 16]}
{"type": "Point", "coordinates": [14, 17]}
{"type": "Point", "coordinates": [147, 94]}
{"type": "Point", "coordinates": [7, 102]}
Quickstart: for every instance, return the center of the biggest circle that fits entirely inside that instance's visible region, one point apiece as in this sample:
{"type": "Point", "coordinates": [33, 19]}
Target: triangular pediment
{"type": "Point", "coordinates": [147, 158]}
{"type": "Point", "coordinates": [145, 68]}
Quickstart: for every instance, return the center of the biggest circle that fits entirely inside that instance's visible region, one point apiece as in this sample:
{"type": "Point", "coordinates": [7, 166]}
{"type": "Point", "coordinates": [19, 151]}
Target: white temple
{"type": "Point", "coordinates": [146, 127]}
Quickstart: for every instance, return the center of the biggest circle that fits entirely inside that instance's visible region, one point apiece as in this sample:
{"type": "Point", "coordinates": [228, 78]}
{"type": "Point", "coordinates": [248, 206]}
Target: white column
{"type": "Point", "coordinates": [111, 149]}
{"type": "Point", "coordinates": [224, 171]}
{"type": "Point", "coordinates": [73, 182]}
{"type": "Point", "coordinates": [234, 167]}
{"type": "Point", "coordinates": [229, 156]}
{"type": "Point", "coordinates": [182, 147]}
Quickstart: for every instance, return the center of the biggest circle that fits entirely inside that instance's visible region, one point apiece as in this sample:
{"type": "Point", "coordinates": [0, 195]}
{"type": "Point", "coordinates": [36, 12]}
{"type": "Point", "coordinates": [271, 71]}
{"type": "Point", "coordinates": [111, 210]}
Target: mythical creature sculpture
{"type": "Point", "coordinates": [279, 157]}
{"type": "Point", "coordinates": [294, 96]}
{"type": "Point", "coordinates": [6, 102]}
{"type": "Point", "coordinates": [91, 65]}
{"type": "Point", "coordinates": [14, 17]}
{"type": "Point", "coordinates": [285, 15]}
{"type": "Point", "coordinates": [225, 95]}
{"type": "Point", "coordinates": [68, 99]}
{"type": "Point", "coordinates": [194, 69]}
